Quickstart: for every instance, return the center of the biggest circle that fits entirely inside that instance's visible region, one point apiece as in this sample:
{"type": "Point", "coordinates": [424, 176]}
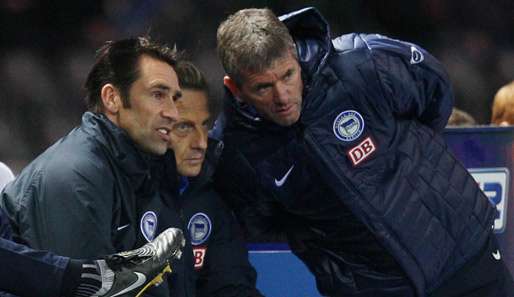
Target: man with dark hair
{"type": "Point", "coordinates": [81, 198]}
{"type": "Point", "coordinates": [337, 143]}
{"type": "Point", "coordinates": [220, 256]}
{"type": "Point", "coordinates": [117, 63]}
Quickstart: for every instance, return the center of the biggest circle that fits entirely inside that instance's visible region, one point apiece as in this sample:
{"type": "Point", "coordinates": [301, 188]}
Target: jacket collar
{"type": "Point", "coordinates": [311, 34]}
{"type": "Point", "coordinates": [142, 169]}
{"type": "Point", "coordinates": [214, 150]}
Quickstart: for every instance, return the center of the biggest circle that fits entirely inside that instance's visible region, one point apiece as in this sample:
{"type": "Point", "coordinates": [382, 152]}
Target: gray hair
{"type": "Point", "coordinates": [250, 40]}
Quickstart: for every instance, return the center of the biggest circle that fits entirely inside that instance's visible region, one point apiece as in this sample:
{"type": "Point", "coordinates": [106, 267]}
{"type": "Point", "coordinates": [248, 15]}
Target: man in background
{"type": "Point", "coordinates": [460, 118]}
{"type": "Point", "coordinates": [220, 255]}
{"type": "Point", "coordinates": [503, 106]}
{"type": "Point", "coordinates": [6, 175]}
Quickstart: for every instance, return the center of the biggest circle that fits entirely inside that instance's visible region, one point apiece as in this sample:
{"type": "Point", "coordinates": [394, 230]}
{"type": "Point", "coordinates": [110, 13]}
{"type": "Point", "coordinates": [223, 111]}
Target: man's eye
{"type": "Point", "coordinates": [262, 90]}
{"type": "Point", "coordinates": [182, 128]}
{"type": "Point", "coordinates": [288, 75]}
{"type": "Point", "coordinates": [157, 95]}
{"type": "Point", "coordinates": [177, 96]}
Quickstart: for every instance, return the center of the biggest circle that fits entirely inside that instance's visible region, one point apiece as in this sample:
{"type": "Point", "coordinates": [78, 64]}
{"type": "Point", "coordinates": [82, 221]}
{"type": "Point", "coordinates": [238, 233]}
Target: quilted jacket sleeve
{"type": "Point", "coordinates": [413, 80]}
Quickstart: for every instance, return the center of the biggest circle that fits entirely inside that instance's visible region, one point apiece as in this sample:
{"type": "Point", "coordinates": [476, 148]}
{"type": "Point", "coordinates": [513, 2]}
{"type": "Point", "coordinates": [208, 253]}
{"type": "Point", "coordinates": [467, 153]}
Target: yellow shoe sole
{"type": "Point", "coordinates": [157, 280]}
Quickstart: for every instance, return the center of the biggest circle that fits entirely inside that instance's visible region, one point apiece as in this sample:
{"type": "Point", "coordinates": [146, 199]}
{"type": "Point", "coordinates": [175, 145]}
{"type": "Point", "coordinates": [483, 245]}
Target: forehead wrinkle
{"type": "Point", "coordinates": [275, 71]}
{"type": "Point", "coordinates": [157, 73]}
{"type": "Point", "coordinates": [161, 86]}
{"type": "Point", "coordinates": [192, 107]}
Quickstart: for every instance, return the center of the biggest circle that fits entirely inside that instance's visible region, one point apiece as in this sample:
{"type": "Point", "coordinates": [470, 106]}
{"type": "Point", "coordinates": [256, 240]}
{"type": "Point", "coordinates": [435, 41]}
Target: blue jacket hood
{"type": "Point", "coordinates": [311, 34]}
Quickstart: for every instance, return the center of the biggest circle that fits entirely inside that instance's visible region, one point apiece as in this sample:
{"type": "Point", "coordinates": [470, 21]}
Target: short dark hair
{"type": "Point", "coordinates": [250, 40]}
{"type": "Point", "coordinates": [117, 62]}
{"type": "Point", "coordinates": [190, 77]}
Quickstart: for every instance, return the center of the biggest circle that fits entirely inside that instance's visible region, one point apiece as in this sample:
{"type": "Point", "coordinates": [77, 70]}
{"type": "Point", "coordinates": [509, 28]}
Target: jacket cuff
{"type": "Point", "coordinates": [71, 277]}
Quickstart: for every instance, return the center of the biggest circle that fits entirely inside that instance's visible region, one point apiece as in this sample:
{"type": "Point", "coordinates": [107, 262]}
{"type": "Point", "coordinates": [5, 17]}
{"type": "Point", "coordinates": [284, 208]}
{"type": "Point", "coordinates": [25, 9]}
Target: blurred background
{"type": "Point", "coordinates": [47, 48]}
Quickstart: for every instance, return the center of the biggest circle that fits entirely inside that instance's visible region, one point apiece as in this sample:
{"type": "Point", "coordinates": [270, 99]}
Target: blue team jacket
{"type": "Point", "coordinates": [372, 112]}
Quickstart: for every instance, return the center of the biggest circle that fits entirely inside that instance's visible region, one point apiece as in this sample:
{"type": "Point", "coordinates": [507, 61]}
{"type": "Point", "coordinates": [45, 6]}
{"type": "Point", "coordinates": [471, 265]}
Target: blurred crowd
{"type": "Point", "coordinates": [47, 47]}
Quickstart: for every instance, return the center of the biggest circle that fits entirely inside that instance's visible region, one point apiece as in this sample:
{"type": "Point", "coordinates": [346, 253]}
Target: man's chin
{"type": "Point", "coordinates": [189, 171]}
{"type": "Point", "coordinates": [286, 121]}
{"type": "Point", "coordinates": [155, 150]}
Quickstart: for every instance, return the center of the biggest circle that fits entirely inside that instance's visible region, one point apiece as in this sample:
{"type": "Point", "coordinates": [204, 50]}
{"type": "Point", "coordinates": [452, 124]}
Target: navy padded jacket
{"type": "Point", "coordinates": [373, 109]}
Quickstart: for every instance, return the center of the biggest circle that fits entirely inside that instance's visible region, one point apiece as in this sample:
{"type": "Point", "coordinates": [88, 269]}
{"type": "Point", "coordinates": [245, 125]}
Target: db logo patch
{"type": "Point", "coordinates": [199, 227]}
{"type": "Point", "coordinates": [362, 151]}
{"type": "Point", "coordinates": [494, 182]}
{"type": "Point", "coordinates": [148, 225]}
{"type": "Point", "coordinates": [348, 125]}
{"type": "Point", "coordinates": [199, 256]}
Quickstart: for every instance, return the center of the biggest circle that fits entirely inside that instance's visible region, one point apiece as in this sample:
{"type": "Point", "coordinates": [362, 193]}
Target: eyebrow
{"type": "Point", "coordinates": [263, 85]}
{"type": "Point", "coordinates": [162, 87]}
{"type": "Point", "coordinates": [185, 122]}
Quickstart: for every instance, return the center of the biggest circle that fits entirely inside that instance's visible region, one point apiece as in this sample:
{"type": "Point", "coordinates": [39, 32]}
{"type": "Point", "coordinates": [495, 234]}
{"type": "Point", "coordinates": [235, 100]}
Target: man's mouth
{"type": "Point", "coordinates": [164, 133]}
{"type": "Point", "coordinates": [285, 110]}
{"type": "Point", "coordinates": [196, 160]}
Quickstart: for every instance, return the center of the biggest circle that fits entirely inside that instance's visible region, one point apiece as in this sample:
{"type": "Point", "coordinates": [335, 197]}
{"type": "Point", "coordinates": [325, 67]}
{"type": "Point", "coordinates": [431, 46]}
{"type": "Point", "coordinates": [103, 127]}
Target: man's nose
{"type": "Point", "coordinates": [200, 140]}
{"type": "Point", "coordinates": [170, 111]}
{"type": "Point", "coordinates": [280, 93]}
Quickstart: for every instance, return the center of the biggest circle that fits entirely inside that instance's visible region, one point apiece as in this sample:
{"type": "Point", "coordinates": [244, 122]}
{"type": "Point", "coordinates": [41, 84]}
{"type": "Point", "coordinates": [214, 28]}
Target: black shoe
{"type": "Point", "coordinates": [137, 270]}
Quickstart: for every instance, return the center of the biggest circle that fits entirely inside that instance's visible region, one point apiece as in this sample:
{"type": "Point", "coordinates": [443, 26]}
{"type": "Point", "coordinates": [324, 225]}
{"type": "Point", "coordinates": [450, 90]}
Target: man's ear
{"type": "Point", "coordinates": [232, 86]}
{"type": "Point", "coordinates": [111, 99]}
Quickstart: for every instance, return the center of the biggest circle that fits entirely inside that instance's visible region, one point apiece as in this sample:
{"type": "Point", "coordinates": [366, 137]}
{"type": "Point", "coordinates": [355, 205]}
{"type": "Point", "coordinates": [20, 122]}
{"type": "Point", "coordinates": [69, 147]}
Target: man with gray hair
{"type": "Point", "coordinates": [337, 144]}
